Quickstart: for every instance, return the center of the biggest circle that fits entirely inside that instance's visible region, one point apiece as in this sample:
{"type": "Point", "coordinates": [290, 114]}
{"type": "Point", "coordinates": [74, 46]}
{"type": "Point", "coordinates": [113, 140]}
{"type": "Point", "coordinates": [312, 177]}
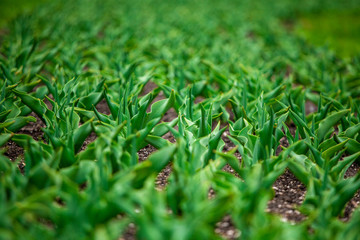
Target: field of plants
{"type": "Point", "coordinates": [150, 119]}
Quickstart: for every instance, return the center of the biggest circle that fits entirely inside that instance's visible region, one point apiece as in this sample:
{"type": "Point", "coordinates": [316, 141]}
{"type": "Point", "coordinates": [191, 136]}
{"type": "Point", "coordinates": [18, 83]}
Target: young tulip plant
{"type": "Point", "coordinates": [183, 204]}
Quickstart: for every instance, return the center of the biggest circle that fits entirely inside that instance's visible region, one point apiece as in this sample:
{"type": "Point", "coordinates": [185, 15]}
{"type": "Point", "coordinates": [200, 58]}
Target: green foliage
{"type": "Point", "coordinates": [125, 75]}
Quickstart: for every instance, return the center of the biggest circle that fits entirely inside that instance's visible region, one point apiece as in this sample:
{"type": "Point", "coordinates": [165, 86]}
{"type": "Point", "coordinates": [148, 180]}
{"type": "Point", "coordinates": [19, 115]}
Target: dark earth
{"type": "Point", "coordinates": [289, 192]}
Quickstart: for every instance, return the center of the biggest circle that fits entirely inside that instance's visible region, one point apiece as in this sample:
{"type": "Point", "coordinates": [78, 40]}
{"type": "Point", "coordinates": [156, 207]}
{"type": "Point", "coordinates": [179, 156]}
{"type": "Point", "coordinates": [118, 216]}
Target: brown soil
{"type": "Point", "coordinates": [353, 170]}
{"type": "Point", "coordinates": [289, 195]}
{"type": "Point", "coordinates": [145, 152]}
{"type": "Point", "coordinates": [289, 192]}
{"type": "Point", "coordinates": [310, 107]}
{"type": "Point", "coordinates": [162, 178]}
{"type": "Point", "coordinates": [103, 108]}
{"type": "Point", "coordinates": [13, 151]}
{"type": "Point", "coordinates": [228, 143]}
{"type": "Point", "coordinates": [88, 140]}
{"type": "Point", "coordinates": [169, 115]}
{"type": "Point", "coordinates": [226, 229]}
{"type": "Point", "coordinates": [351, 206]}
{"type": "Point", "coordinates": [34, 128]}
{"type": "Point", "coordinates": [283, 143]}
{"type": "Point", "coordinates": [149, 86]}
{"type": "Point", "coordinates": [199, 99]}
{"type": "Point", "coordinates": [130, 233]}
{"type": "Point", "coordinates": [355, 201]}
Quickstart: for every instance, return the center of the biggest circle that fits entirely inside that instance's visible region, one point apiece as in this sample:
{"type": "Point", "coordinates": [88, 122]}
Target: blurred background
{"type": "Point", "coordinates": [331, 23]}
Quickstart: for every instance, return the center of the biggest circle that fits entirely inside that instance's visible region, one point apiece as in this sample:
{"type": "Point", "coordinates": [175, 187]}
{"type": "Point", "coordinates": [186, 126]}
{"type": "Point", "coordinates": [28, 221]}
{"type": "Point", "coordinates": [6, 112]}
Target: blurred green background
{"type": "Point", "coordinates": [335, 24]}
{"type": "Point", "coordinates": [339, 30]}
{"type": "Point", "coordinates": [9, 9]}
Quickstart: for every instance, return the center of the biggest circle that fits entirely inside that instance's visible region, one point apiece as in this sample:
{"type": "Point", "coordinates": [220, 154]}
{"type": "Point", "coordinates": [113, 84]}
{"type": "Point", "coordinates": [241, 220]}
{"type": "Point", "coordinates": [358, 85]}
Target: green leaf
{"type": "Point", "coordinates": [81, 133]}
{"type": "Point", "coordinates": [90, 100]}
{"type": "Point", "coordinates": [36, 105]}
{"type": "Point", "coordinates": [156, 141]}
{"type": "Point", "coordinates": [339, 169]}
{"type": "Point", "coordinates": [352, 131]}
{"type": "Point", "coordinates": [20, 122]}
{"type": "Point", "coordinates": [4, 138]}
{"type": "Point", "coordinates": [329, 122]}
{"type": "Point", "coordinates": [160, 107]}
{"type": "Point", "coordinates": [332, 150]}
{"type": "Point", "coordinates": [155, 163]}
